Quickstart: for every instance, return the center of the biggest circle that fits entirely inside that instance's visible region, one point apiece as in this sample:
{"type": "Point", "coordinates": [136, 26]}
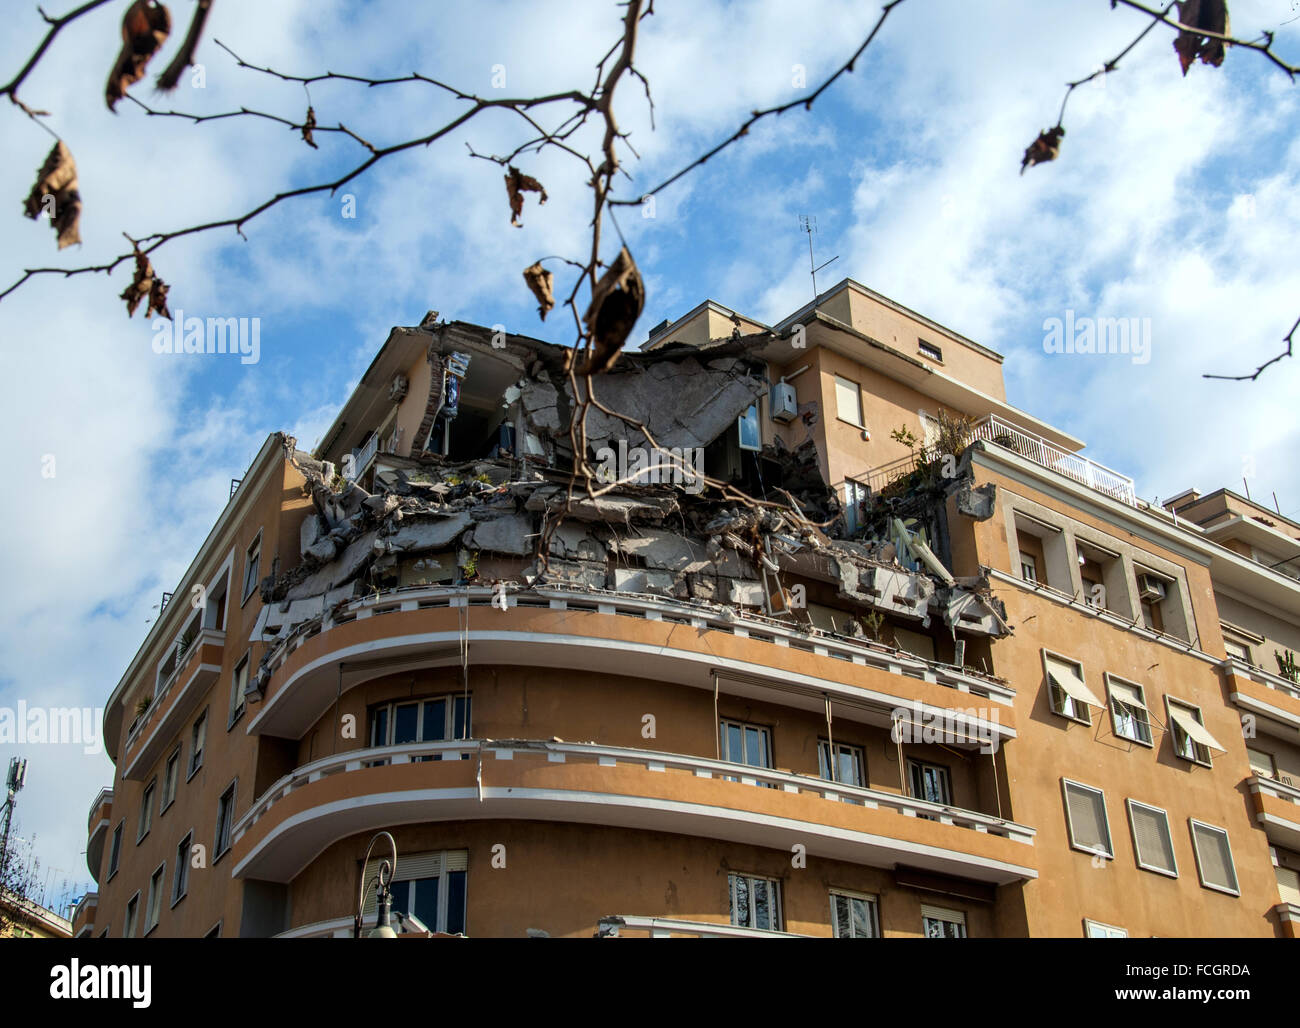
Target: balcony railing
{"type": "Point", "coordinates": [666, 927]}
{"type": "Point", "coordinates": [105, 796]}
{"type": "Point", "coordinates": [650, 760]}
{"type": "Point", "coordinates": [363, 455]}
{"type": "Point", "coordinates": [1087, 472]}
{"type": "Point", "coordinates": [652, 608]}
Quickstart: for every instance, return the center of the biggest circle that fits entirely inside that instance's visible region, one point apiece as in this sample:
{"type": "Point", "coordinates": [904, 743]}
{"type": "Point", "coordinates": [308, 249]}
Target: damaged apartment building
{"type": "Point", "coordinates": [600, 663]}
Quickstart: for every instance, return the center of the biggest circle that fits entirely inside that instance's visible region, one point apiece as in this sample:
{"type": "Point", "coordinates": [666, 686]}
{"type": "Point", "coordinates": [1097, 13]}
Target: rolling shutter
{"type": "Point", "coordinates": [1086, 809]}
{"type": "Point", "coordinates": [1155, 846]}
{"type": "Point", "coordinates": [1214, 857]}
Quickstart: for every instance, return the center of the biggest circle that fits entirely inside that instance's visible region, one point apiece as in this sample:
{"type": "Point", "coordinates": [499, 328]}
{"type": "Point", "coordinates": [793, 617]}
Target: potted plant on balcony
{"type": "Point", "coordinates": [1286, 666]}
{"type": "Point", "coordinates": [183, 646]}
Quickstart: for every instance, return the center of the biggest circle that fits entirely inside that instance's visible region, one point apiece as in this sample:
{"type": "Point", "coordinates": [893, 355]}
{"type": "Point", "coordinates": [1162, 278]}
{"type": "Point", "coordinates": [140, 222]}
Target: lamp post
{"type": "Point", "coordinates": [383, 928]}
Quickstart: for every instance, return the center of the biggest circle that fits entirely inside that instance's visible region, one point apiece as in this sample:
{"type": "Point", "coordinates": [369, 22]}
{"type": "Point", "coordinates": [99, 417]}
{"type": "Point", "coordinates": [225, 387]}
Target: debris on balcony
{"type": "Point", "coordinates": [517, 516]}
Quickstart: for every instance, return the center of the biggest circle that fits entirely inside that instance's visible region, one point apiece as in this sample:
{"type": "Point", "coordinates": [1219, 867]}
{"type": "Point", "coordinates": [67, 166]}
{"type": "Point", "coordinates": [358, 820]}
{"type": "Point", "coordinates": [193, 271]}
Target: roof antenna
{"type": "Point", "coordinates": [808, 223]}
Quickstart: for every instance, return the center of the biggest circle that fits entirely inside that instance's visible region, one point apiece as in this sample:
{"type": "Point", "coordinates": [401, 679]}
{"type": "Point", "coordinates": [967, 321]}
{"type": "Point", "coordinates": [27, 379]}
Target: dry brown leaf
{"type": "Point", "coordinates": [169, 79]}
{"type": "Point", "coordinates": [145, 27]}
{"type": "Point", "coordinates": [616, 303]}
{"type": "Point", "coordinates": [542, 283]}
{"type": "Point", "coordinates": [56, 191]}
{"type": "Point", "coordinates": [1208, 16]}
{"type": "Point", "coordinates": [146, 285]}
{"type": "Point", "coordinates": [1047, 147]}
{"type": "Point", "coordinates": [517, 183]}
{"type": "Point", "coordinates": [308, 125]}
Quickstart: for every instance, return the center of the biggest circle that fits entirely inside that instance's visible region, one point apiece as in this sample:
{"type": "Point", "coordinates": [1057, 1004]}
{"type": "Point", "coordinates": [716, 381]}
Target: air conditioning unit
{"type": "Point", "coordinates": [1151, 588]}
{"type": "Point", "coordinates": [783, 404]}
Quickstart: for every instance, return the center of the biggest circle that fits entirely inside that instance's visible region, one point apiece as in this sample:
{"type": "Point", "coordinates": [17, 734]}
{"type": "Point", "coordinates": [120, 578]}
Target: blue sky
{"type": "Point", "coordinates": [1174, 199]}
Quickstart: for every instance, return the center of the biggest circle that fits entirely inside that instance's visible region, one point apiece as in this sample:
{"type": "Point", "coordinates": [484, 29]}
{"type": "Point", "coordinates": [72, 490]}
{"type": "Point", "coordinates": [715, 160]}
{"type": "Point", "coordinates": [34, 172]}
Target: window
{"type": "Point", "coordinates": [1085, 816]}
{"type": "Point", "coordinates": [848, 401]}
{"type": "Point", "coordinates": [929, 350]}
{"type": "Point", "coordinates": [214, 932]}
{"type": "Point", "coordinates": [1069, 695]}
{"type": "Point", "coordinates": [146, 810]}
{"type": "Point", "coordinates": [1028, 567]}
{"type": "Point", "coordinates": [252, 565]}
{"type": "Point", "coordinates": [1191, 740]}
{"type": "Point", "coordinates": [429, 720]}
{"type": "Point", "coordinates": [1152, 843]}
{"type": "Point", "coordinates": [848, 767]}
{"type": "Point", "coordinates": [1097, 930]}
{"type": "Point", "coordinates": [198, 735]}
{"type": "Point", "coordinates": [1288, 885]}
{"type": "Point", "coordinates": [940, 923]}
{"type": "Point", "coordinates": [1128, 711]}
{"type": "Point", "coordinates": [1214, 858]}
{"type": "Point", "coordinates": [1151, 616]}
{"type": "Point", "coordinates": [930, 782]}
{"type": "Point", "coordinates": [755, 902]}
{"type": "Point", "coordinates": [115, 850]}
{"type": "Point", "coordinates": [1236, 649]}
{"type": "Point", "coordinates": [747, 425]}
{"type": "Point", "coordinates": [854, 916]}
{"type": "Point", "coordinates": [132, 909]}
{"type": "Point", "coordinates": [171, 775]}
{"type": "Point", "coordinates": [1261, 763]}
{"type": "Point", "coordinates": [225, 819]}
{"type": "Point", "coordinates": [155, 898]}
{"type": "Point", "coordinates": [428, 886]}
{"type": "Point", "coordinates": [742, 743]}
{"type": "Point", "coordinates": [238, 683]}
{"type": "Point", "coordinates": [181, 879]}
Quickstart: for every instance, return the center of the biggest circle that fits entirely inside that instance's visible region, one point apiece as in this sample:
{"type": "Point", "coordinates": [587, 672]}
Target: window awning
{"type": "Point", "coordinates": [1127, 694]}
{"type": "Point", "coordinates": [1068, 680]}
{"type": "Point", "coordinates": [1197, 731]}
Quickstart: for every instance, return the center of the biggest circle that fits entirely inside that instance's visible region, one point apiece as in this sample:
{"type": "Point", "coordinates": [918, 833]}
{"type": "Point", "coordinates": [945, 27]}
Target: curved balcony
{"type": "Point", "coordinates": [365, 790]}
{"type": "Point", "coordinates": [101, 814]}
{"type": "Point", "coordinates": [83, 915]}
{"type": "Point", "coordinates": [615, 925]}
{"type": "Point", "coordinates": [616, 634]}
{"type": "Point", "coordinates": [1277, 810]}
{"type": "Point", "coordinates": [1263, 693]}
{"type": "Point", "coordinates": [176, 700]}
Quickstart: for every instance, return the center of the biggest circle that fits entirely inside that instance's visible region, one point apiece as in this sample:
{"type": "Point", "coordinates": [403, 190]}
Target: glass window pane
{"type": "Point", "coordinates": [401, 892]}
{"type": "Point", "coordinates": [763, 912]}
{"type": "Point", "coordinates": [734, 749]}
{"type": "Point", "coordinates": [755, 747]}
{"type": "Point", "coordinates": [455, 902]}
{"type": "Point", "coordinates": [461, 715]}
{"type": "Point", "coordinates": [740, 901]}
{"type": "Point", "coordinates": [823, 759]}
{"type": "Point", "coordinates": [435, 721]}
{"type": "Point", "coordinates": [843, 925]}
{"type": "Point", "coordinates": [426, 902]}
{"type": "Point", "coordinates": [404, 720]}
{"type": "Point", "coordinates": [863, 928]}
{"type": "Point", "coordinates": [379, 729]}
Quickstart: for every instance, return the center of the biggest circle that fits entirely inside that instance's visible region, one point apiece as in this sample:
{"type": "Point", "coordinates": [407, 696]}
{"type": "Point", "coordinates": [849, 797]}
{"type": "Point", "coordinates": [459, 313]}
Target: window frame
{"type": "Point", "coordinates": [115, 849]}
{"type": "Point", "coordinates": [724, 749]}
{"type": "Point", "coordinates": [146, 811]}
{"type": "Point", "coordinates": [861, 423]}
{"type": "Point", "coordinates": [1053, 689]}
{"type": "Point", "coordinates": [181, 875]}
{"type": "Point", "coordinates": [1130, 803]}
{"type": "Point", "coordinates": [873, 907]}
{"type": "Point", "coordinates": [1112, 700]}
{"type": "Point", "coordinates": [1272, 762]}
{"type": "Point", "coordinates": [132, 916]}
{"type": "Point", "coordinates": [196, 752]}
{"type": "Point", "coordinates": [217, 849]}
{"type": "Point", "coordinates": [169, 796]}
{"type": "Point", "coordinates": [935, 354]}
{"type": "Point", "coordinates": [237, 705]}
{"type": "Point", "coordinates": [389, 709]}
{"type": "Point", "coordinates": [1109, 853]}
{"type": "Point", "coordinates": [859, 753]}
{"type": "Point", "coordinates": [1175, 731]}
{"type": "Point", "coordinates": [943, 915]}
{"type": "Point", "coordinates": [1089, 923]}
{"type": "Point", "coordinates": [153, 905]}
{"type": "Point", "coordinates": [776, 905]}
{"type": "Point", "coordinates": [248, 589]}
{"type": "Point", "coordinates": [443, 880]}
{"type": "Point", "coordinates": [1194, 823]}
{"type": "Point", "coordinates": [918, 764]}
{"type": "Point", "coordinates": [1028, 562]}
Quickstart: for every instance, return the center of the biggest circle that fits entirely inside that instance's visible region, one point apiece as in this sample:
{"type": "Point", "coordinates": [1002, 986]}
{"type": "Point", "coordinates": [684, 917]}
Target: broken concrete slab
{"type": "Point", "coordinates": [512, 533]}
{"type": "Point", "coordinates": [434, 534]}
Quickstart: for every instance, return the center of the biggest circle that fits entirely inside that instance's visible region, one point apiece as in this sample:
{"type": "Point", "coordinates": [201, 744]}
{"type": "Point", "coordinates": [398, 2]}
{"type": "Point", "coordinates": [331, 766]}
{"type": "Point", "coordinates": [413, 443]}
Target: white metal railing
{"type": "Point", "coordinates": [665, 927]}
{"type": "Point", "coordinates": [878, 478]}
{"type": "Point", "coordinates": [363, 455]}
{"type": "Point", "coordinates": [1266, 678]}
{"type": "Point", "coordinates": [651, 760]}
{"type": "Point", "coordinates": [1087, 472]}
{"type": "Point", "coordinates": [650, 608]}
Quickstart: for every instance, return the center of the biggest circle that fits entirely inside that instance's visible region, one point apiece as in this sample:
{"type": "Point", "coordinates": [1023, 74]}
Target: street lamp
{"type": "Point", "coordinates": [383, 928]}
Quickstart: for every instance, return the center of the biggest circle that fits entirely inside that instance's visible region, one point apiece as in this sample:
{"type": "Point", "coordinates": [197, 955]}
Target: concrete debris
{"type": "Point", "coordinates": [515, 516]}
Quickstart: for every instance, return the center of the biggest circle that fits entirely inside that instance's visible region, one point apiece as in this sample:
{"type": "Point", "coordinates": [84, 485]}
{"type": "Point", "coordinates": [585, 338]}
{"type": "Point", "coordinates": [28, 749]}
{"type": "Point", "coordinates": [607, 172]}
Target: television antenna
{"type": "Point", "coordinates": [14, 783]}
{"type": "Point", "coordinates": [808, 223]}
